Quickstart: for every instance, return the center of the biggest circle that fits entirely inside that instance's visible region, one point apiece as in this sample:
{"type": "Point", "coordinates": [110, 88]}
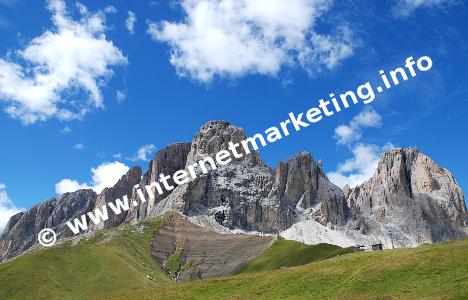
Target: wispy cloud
{"type": "Point", "coordinates": [120, 96]}
{"type": "Point", "coordinates": [404, 8]}
{"type": "Point", "coordinates": [79, 146]}
{"type": "Point", "coordinates": [42, 80]}
{"type": "Point", "coordinates": [4, 23]}
{"type": "Point", "coordinates": [130, 22]}
{"type": "Point", "coordinates": [239, 37]}
{"type": "Point", "coordinates": [65, 130]}
{"type": "Point", "coordinates": [110, 9]}
{"type": "Point", "coordinates": [142, 153]}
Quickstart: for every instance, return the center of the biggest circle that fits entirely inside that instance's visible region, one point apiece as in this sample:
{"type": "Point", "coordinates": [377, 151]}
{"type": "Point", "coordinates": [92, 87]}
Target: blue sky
{"type": "Point", "coordinates": [100, 82]}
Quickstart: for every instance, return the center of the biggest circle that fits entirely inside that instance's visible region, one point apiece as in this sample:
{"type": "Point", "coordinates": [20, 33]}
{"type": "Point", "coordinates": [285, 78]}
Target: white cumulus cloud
{"type": "Point", "coordinates": [7, 208]}
{"type": "Point", "coordinates": [352, 132]}
{"type": "Point", "coordinates": [360, 167]}
{"type": "Point", "coordinates": [233, 38]}
{"type": "Point", "coordinates": [142, 153]}
{"type": "Point", "coordinates": [69, 185]}
{"type": "Point", "coordinates": [105, 175]}
{"type": "Point", "coordinates": [59, 73]}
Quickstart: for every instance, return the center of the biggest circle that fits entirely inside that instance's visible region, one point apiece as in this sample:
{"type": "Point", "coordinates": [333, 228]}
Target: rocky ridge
{"type": "Point", "coordinates": [20, 233]}
{"type": "Point", "coordinates": [410, 199]}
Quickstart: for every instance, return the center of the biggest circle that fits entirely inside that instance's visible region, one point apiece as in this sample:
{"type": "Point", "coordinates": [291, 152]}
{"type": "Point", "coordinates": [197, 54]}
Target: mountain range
{"type": "Point", "coordinates": [410, 200]}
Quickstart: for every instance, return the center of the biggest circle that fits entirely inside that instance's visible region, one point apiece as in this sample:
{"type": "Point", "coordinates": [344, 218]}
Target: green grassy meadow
{"type": "Point", "coordinates": [116, 264]}
{"type": "Point", "coordinates": [284, 253]}
{"type": "Point", "coordinates": [437, 271]}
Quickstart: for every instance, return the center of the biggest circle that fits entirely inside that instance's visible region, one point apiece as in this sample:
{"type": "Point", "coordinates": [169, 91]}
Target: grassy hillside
{"type": "Point", "coordinates": [116, 264]}
{"type": "Point", "coordinates": [284, 253]}
{"type": "Point", "coordinates": [113, 260]}
{"type": "Point", "coordinates": [437, 271]}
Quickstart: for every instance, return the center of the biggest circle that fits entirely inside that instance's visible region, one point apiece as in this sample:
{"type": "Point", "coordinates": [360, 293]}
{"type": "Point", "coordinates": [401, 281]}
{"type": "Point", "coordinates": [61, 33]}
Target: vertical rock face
{"type": "Point", "coordinates": [166, 161]}
{"type": "Point", "coordinates": [410, 200]}
{"type": "Point", "coordinates": [302, 185]}
{"type": "Point", "coordinates": [21, 231]}
{"type": "Point", "coordinates": [123, 188]}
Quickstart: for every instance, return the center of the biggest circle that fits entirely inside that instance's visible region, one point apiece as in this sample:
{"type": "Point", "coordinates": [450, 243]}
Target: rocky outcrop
{"type": "Point", "coordinates": [301, 184]}
{"type": "Point", "coordinates": [21, 231]}
{"type": "Point", "coordinates": [166, 161]}
{"type": "Point", "coordinates": [248, 195]}
{"type": "Point", "coordinates": [410, 200]}
{"type": "Point", "coordinates": [123, 188]}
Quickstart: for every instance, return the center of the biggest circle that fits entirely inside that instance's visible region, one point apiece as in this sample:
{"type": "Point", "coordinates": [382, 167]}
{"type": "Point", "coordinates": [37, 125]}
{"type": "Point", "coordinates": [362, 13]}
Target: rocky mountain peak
{"type": "Point", "coordinates": [215, 136]}
{"type": "Point", "coordinates": [302, 185]}
{"type": "Point", "coordinates": [296, 176]}
{"type": "Point", "coordinates": [416, 200]}
{"type": "Point", "coordinates": [407, 171]}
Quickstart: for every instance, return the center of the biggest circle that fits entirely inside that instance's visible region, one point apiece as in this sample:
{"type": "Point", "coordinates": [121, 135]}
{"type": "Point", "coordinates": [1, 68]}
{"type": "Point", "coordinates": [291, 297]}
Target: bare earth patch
{"type": "Point", "coordinates": [191, 252]}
